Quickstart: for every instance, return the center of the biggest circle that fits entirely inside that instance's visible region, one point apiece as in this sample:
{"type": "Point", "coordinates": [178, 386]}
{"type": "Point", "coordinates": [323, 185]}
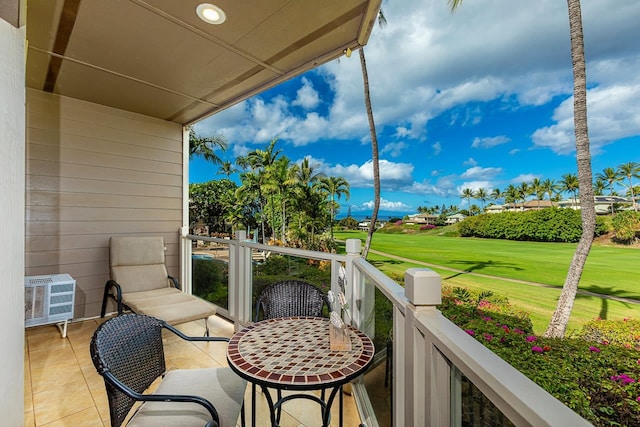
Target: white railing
{"type": "Point", "coordinates": [429, 351]}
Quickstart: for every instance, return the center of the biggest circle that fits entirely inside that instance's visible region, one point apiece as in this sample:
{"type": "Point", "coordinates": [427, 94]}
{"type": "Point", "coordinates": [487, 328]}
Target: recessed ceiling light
{"type": "Point", "coordinates": [210, 13]}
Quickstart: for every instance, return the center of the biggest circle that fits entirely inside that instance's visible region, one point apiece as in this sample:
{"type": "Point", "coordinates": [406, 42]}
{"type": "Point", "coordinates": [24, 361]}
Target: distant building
{"type": "Point", "coordinates": [422, 218]}
{"type": "Point", "coordinates": [455, 218]}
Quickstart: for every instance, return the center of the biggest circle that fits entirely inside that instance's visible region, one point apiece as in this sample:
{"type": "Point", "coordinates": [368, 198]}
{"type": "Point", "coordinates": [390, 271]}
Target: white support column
{"type": "Point", "coordinates": [423, 369]}
{"type": "Point", "coordinates": [185, 261]}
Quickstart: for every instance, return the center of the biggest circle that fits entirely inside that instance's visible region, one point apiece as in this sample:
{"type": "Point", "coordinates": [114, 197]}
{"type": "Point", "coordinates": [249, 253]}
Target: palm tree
{"type": "Point", "coordinates": [570, 184]}
{"type": "Point", "coordinates": [550, 188]}
{"type": "Point", "coordinates": [334, 186]}
{"type": "Point", "coordinates": [629, 171]}
{"type": "Point", "coordinates": [251, 189]}
{"type": "Point", "coordinates": [496, 194]}
{"type": "Point", "coordinates": [382, 21]}
{"type": "Point", "coordinates": [226, 169]}
{"type": "Point", "coordinates": [280, 180]}
{"type": "Point", "coordinates": [524, 191]}
{"type": "Point", "coordinates": [536, 188]}
{"type": "Point", "coordinates": [610, 176]}
{"type": "Point", "coordinates": [481, 195]}
{"type": "Point", "coordinates": [511, 194]}
{"type": "Point", "coordinates": [468, 194]}
{"type": "Point", "coordinates": [261, 161]}
{"type": "Point", "coordinates": [560, 319]}
{"type": "Point", "coordinates": [598, 187]}
{"type": "Point", "coordinates": [203, 146]}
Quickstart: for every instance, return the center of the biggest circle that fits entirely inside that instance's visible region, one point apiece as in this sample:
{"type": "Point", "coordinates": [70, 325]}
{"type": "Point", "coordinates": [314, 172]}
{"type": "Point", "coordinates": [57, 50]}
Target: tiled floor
{"type": "Point", "coordinates": [62, 388]}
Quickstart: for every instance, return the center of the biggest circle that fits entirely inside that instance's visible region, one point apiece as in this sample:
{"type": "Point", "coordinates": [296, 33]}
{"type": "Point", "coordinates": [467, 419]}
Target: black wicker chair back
{"type": "Point", "coordinates": [129, 347]}
{"type": "Point", "coordinates": [290, 298]}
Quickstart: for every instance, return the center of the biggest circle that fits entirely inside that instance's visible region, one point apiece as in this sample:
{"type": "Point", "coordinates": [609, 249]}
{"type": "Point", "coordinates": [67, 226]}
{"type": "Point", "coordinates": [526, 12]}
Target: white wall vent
{"type": "Point", "coordinates": [49, 299]}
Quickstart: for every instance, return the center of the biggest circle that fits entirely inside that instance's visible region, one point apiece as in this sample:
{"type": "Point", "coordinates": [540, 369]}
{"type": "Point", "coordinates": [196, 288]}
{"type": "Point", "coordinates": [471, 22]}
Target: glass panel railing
{"type": "Point", "coordinates": [378, 324]}
{"type": "Point", "coordinates": [210, 272]}
{"type": "Point", "coordinates": [470, 407]}
{"type": "Point", "coordinates": [268, 268]}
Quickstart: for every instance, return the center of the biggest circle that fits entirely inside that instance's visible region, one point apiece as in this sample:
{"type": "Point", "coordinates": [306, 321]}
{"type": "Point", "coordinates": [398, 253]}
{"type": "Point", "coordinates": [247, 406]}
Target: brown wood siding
{"type": "Point", "coordinates": [93, 172]}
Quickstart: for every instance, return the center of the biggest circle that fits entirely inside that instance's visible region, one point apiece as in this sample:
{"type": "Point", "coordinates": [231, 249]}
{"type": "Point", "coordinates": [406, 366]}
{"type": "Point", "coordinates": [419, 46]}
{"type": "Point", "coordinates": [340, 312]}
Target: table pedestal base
{"type": "Point", "coordinates": [275, 408]}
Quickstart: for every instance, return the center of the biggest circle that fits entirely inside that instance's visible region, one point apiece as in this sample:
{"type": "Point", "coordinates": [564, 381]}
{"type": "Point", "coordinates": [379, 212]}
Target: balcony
{"type": "Point", "coordinates": [437, 375]}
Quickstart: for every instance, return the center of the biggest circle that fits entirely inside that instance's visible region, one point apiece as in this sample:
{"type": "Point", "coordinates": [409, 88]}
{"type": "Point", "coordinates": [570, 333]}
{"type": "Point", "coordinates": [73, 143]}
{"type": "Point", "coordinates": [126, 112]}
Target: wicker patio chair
{"type": "Point", "coordinates": [139, 282]}
{"type": "Point", "coordinates": [290, 298]}
{"type": "Point", "coordinates": [128, 353]}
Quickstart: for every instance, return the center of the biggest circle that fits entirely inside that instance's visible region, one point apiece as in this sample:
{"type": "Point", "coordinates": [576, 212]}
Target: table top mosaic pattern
{"type": "Point", "coordinates": [293, 352]}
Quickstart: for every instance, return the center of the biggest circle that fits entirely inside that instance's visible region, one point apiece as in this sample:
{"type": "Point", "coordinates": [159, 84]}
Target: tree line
{"type": "Point", "coordinates": [618, 181]}
{"type": "Point", "coordinates": [284, 202]}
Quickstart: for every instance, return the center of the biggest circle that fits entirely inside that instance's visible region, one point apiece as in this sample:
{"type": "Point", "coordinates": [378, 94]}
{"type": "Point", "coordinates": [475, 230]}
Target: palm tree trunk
{"type": "Point", "coordinates": [374, 155]}
{"type": "Point", "coordinates": [558, 325]}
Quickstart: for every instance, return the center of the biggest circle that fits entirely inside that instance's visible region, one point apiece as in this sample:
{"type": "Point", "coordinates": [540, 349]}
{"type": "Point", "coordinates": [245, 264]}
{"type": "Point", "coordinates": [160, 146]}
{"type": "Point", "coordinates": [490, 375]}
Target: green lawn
{"type": "Point", "coordinates": [609, 271]}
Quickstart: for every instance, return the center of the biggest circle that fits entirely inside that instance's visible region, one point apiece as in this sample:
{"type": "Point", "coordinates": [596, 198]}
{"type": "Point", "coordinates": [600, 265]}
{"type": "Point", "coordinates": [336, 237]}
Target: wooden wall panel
{"type": "Point", "coordinates": [93, 172]}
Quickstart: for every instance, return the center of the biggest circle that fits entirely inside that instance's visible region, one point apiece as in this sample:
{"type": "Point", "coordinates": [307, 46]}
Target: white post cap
{"type": "Point", "coordinates": [423, 286]}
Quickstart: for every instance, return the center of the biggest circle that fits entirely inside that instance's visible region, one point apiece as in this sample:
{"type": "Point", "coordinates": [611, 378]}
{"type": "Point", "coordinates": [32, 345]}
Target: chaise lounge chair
{"type": "Point", "coordinates": [140, 283]}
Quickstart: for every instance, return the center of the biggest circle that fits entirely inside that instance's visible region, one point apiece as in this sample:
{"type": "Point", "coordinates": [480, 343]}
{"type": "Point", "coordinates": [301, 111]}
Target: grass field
{"type": "Point", "coordinates": [609, 271]}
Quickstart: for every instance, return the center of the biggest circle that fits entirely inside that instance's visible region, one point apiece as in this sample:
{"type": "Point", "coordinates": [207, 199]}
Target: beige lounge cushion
{"type": "Point", "coordinates": [136, 251]}
{"type": "Point", "coordinates": [154, 293]}
{"type": "Point", "coordinates": [140, 278]}
{"type": "Point", "coordinates": [169, 304]}
{"type": "Point", "coordinates": [220, 386]}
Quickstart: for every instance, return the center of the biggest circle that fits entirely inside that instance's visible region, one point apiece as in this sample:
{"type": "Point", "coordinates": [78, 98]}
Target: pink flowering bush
{"type": "Point", "coordinates": [597, 378]}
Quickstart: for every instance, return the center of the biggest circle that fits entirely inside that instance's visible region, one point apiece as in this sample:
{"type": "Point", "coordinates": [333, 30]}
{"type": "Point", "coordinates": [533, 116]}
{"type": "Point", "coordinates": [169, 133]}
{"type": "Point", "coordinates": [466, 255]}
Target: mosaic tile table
{"type": "Point", "coordinates": [292, 353]}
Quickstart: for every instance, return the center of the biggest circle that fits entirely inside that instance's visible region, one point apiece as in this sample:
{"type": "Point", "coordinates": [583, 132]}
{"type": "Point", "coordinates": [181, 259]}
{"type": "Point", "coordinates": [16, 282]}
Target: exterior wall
{"type": "Point", "coordinates": [12, 97]}
{"type": "Point", "coordinates": [94, 172]}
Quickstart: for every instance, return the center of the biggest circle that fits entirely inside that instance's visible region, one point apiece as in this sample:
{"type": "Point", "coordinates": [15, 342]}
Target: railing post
{"type": "Point", "coordinates": [241, 281]}
{"type": "Point", "coordinates": [185, 261]}
{"type": "Point", "coordinates": [353, 290]}
{"type": "Point", "coordinates": [426, 390]}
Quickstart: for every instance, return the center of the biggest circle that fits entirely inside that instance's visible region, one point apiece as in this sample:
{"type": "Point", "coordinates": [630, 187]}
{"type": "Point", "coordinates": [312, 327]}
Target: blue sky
{"type": "Point", "coordinates": [481, 98]}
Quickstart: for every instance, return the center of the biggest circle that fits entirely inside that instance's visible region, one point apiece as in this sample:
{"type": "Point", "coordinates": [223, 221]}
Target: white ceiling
{"type": "Point", "coordinates": [157, 58]}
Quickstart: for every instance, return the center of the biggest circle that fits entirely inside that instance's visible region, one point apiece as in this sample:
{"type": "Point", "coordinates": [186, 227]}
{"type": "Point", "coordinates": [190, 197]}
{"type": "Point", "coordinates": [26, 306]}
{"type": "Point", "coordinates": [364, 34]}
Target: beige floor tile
{"type": "Point", "coordinates": [99, 396]}
{"type": "Point", "coordinates": [53, 404]}
{"type": "Point", "coordinates": [86, 418]}
{"type": "Point", "coordinates": [60, 356]}
{"type": "Point", "coordinates": [52, 378]}
{"type": "Point", "coordinates": [47, 341]}
{"type": "Point", "coordinates": [29, 420]}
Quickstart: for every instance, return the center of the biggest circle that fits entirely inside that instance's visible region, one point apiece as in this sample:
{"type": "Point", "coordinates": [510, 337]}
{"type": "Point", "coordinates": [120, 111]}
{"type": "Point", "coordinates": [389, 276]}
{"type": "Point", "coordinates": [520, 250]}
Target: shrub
{"type": "Point", "coordinates": [427, 227]}
{"type": "Point", "coordinates": [623, 333]}
{"type": "Point", "coordinates": [348, 223]}
{"type": "Point", "coordinates": [210, 280]}
{"type": "Point", "coordinates": [599, 381]}
{"type": "Point", "coordinates": [544, 225]}
{"type": "Point", "coordinates": [626, 225]}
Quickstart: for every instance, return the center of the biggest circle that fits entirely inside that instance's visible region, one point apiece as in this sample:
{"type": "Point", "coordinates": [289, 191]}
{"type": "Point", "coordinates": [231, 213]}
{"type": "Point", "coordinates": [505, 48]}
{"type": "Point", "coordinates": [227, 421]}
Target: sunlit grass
{"type": "Point", "coordinates": [609, 271]}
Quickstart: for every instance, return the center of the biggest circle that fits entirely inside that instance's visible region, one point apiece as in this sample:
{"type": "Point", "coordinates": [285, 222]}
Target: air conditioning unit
{"type": "Point", "coordinates": [49, 299]}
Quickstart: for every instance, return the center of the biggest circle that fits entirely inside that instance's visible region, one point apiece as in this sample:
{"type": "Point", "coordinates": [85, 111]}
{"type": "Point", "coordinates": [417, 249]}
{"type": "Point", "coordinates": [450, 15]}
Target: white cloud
{"type": "Point", "coordinates": [392, 175]}
{"type": "Point", "coordinates": [385, 205]}
{"type": "Point", "coordinates": [490, 142]}
{"type": "Point", "coordinates": [480, 172]}
{"type": "Point", "coordinates": [470, 162]}
{"type": "Point", "coordinates": [525, 177]}
{"type": "Point", "coordinates": [393, 148]}
{"type": "Point", "coordinates": [307, 96]}
{"type": "Point", "coordinates": [437, 148]}
{"type": "Point", "coordinates": [613, 113]}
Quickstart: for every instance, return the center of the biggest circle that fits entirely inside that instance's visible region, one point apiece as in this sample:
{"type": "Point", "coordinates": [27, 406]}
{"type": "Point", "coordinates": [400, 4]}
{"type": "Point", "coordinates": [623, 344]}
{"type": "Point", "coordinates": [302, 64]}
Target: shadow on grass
{"type": "Point", "coordinates": [605, 291]}
{"type": "Point", "coordinates": [380, 263]}
{"type": "Point", "coordinates": [479, 266]}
